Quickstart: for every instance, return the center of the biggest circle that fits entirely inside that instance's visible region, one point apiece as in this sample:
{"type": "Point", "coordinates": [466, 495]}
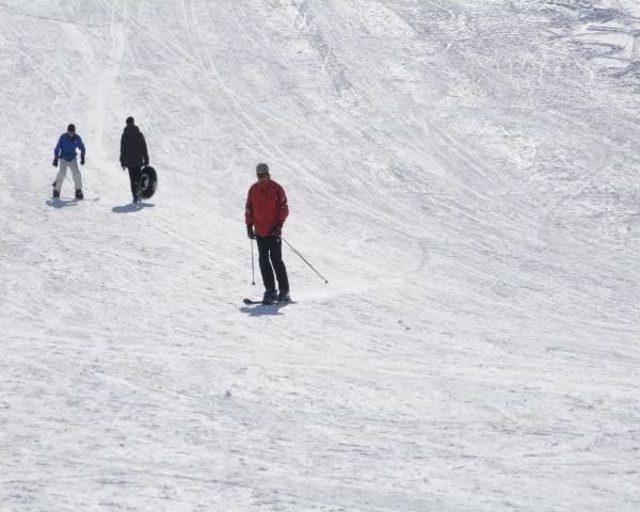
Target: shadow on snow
{"type": "Point", "coordinates": [131, 207]}
{"type": "Point", "coordinates": [264, 310]}
{"type": "Point", "coordinates": [61, 203]}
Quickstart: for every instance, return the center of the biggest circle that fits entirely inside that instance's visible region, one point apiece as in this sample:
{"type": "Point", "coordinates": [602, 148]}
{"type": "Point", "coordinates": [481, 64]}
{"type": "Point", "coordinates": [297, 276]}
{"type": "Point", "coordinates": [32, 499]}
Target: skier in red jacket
{"type": "Point", "coordinates": [265, 213]}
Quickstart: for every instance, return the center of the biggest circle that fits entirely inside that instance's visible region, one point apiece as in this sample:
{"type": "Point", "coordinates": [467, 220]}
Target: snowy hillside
{"type": "Point", "coordinates": [465, 173]}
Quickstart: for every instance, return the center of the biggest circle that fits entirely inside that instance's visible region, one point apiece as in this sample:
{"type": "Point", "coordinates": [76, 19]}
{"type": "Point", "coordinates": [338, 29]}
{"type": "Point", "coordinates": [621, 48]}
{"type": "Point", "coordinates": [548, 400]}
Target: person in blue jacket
{"type": "Point", "coordinates": [66, 152]}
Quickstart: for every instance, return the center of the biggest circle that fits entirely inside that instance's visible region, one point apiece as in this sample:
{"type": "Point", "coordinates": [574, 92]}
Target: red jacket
{"type": "Point", "coordinates": [266, 207]}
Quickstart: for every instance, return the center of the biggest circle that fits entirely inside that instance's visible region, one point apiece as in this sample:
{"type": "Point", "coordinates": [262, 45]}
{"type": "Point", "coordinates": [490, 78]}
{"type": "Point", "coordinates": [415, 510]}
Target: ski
{"type": "Point", "coordinates": [62, 201]}
{"type": "Point", "coordinates": [250, 302]}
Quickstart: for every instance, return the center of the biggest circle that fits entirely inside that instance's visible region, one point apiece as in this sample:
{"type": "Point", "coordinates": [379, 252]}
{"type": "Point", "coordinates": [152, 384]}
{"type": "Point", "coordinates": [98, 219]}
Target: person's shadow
{"type": "Point", "coordinates": [264, 310]}
{"type": "Point", "coordinates": [62, 203]}
{"type": "Point", "coordinates": [131, 207]}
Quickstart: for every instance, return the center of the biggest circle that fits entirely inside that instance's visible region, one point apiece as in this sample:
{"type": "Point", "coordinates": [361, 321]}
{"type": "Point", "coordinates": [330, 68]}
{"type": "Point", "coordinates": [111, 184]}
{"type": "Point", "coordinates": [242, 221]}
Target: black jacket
{"type": "Point", "coordinates": [133, 148]}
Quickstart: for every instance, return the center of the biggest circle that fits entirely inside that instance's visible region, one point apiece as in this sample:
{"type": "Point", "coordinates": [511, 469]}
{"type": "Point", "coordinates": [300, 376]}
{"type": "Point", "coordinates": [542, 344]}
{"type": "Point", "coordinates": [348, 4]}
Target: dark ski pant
{"type": "Point", "coordinates": [270, 250]}
{"type": "Point", "coordinates": [135, 172]}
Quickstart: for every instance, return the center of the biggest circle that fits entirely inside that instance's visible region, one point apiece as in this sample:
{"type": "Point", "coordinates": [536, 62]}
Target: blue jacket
{"type": "Point", "coordinates": [67, 147]}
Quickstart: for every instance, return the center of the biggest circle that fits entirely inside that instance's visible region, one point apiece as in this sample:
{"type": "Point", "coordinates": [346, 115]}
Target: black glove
{"type": "Point", "coordinates": [55, 162]}
{"type": "Point", "coordinates": [276, 231]}
{"type": "Point", "coordinates": [250, 233]}
{"type": "Point", "coordinates": [82, 160]}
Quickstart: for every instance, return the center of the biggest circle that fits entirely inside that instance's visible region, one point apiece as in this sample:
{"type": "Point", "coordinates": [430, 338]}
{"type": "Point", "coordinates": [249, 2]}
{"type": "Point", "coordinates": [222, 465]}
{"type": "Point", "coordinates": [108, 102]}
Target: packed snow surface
{"type": "Point", "coordinates": [465, 174]}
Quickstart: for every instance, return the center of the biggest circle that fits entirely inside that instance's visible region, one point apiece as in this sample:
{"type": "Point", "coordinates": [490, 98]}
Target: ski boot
{"type": "Point", "coordinates": [269, 297]}
{"type": "Point", "coordinates": [283, 296]}
{"type": "Point", "coordinates": [79, 195]}
{"type": "Point", "coordinates": [56, 194]}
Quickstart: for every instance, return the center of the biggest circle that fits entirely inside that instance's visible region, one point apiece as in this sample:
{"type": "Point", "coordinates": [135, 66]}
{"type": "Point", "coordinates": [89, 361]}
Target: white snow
{"type": "Point", "coordinates": [465, 173]}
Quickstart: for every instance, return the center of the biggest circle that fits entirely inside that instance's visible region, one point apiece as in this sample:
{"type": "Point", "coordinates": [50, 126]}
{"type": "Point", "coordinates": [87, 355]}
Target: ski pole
{"type": "Point", "coordinates": [253, 268]}
{"type": "Point", "coordinates": [303, 259]}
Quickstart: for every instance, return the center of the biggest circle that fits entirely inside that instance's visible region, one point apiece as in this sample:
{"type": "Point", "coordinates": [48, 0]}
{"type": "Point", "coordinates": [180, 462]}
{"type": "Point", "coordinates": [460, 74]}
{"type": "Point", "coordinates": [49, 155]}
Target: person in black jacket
{"type": "Point", "coordinates": [133, 155]}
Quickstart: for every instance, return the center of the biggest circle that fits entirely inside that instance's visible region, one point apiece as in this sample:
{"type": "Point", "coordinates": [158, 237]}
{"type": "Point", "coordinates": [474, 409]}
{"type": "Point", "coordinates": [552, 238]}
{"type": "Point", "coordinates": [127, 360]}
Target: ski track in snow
{"type": "Point", "coordinates": [464, 173]}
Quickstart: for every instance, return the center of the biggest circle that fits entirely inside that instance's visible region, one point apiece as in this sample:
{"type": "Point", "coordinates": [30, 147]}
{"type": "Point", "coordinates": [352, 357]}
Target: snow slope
{"type": "Point", "coordinates": [464, 173]}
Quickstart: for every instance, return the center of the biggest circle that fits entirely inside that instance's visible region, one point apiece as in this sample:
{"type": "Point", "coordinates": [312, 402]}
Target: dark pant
{"type": "Point", "coordinates": [270, 250]}
{"type": "Point", "coordinates": [134, 177]}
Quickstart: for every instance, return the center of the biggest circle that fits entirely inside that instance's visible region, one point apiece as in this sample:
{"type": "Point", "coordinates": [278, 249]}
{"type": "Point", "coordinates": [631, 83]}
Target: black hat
{"type": "Point", "coordinates": [130, 121]}
{"type": "Point", "coordinates": [71, 128]}
{"type": "Point", "coordinates": [262, 169]}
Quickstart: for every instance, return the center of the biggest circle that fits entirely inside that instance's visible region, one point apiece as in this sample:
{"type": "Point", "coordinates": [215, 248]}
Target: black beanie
{"type": "Point", "coordinates": [71, 128]}
{"type": "Point", "coordinates": [262, 169]}
{"type": "Point", "coordinates": [130, 121]}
